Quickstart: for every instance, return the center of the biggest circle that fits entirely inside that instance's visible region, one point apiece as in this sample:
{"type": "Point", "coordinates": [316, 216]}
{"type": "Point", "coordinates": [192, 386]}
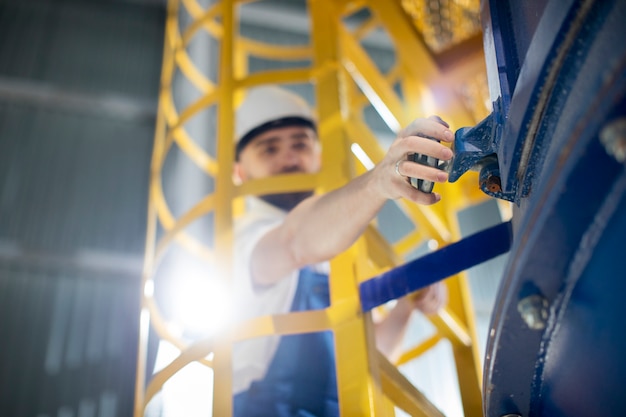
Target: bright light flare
{"type": "Point", "coordinates": [148, 288]}
{"type": "Point", "coordinates": [202, 304]}
{"type": "Point", "coordinates": [188, 392]}
{"type": "Point", "coordinates": [433, 244]}
{"type": "Point", "coordinates": [362, 156]}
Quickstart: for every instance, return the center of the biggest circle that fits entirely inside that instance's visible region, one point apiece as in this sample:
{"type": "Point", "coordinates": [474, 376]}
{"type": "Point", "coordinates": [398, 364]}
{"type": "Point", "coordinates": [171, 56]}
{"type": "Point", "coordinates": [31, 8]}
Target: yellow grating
{"type": "Point", "coordinates": [444, 23]}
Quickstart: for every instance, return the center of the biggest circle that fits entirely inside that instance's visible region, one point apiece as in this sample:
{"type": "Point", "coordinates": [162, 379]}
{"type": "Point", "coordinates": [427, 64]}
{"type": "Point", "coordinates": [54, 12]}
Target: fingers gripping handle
{"type": "Point", "coordinates": [421, 184]}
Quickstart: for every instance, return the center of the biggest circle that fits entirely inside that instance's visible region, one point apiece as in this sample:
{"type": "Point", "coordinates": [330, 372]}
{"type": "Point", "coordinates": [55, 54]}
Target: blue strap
{"type": "Point", "coordinates": [300, 380]}
{"type": "Point", "coordinates": [435, 266]}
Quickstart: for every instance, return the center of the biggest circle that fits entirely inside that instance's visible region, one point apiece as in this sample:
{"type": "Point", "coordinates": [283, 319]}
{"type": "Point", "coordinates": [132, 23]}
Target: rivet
{"type": "Point", "coordinates": [534, 311]}
{"type": "Point", "coordinates": [494, 184]}
{"type": "Point", "coordinates": [613, 137]}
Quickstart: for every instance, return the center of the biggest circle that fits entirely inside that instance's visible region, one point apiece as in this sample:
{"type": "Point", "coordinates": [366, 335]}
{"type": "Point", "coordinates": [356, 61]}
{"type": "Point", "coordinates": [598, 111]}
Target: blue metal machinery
{"type": "Point", "coordinates": [554, 145]}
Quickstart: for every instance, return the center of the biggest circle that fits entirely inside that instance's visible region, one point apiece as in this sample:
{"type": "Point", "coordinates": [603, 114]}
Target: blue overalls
{"type": "Point", "coordinates": [300, 381]}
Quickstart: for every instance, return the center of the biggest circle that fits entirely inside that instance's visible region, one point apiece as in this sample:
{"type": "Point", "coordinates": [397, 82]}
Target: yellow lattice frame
{"type": "Point", "coordinates": [368, 383]}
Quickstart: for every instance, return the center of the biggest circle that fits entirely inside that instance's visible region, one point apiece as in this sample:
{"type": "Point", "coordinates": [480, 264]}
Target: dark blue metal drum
{"type": "Point", "coordinates": [555, 145]}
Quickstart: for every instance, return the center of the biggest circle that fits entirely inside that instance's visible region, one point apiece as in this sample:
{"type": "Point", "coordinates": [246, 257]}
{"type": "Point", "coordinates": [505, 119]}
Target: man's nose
{"type": "Point", "coordinates": [291, 160]}
{"type": "Point", "coordinates": [291, 156]}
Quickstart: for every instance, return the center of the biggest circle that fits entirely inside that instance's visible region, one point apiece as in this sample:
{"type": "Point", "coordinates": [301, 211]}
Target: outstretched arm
{"type": "Point", "coordinates": [391, 329]}
{"type": "Point", "coordinates": [323, 226]}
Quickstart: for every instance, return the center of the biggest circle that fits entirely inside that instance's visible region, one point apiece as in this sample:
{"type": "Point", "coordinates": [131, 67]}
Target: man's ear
{"type": "Point", "coordinates": [319, 153]}
{"type": "Point", "coordinates": [239, 175]}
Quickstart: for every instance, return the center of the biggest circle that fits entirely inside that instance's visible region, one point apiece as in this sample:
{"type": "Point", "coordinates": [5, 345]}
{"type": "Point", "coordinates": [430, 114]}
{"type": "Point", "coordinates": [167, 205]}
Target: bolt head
{"type": "Point", "coordinates": [494, 184]}
{"type": "Point", "coordinates": [534, 311]}
{"type": "Point", "coordinates": [613, 137]}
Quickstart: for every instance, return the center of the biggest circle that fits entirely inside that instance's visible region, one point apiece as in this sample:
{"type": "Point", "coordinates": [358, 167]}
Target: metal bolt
{"type": "Point", "coordinates": [534, 311]}
{"type": "Point", "coordinates": [493, 184]}
{"type": "Point", "coordinates": [489, 178]}
{"type": "Point", "coordinates": [613, 137]}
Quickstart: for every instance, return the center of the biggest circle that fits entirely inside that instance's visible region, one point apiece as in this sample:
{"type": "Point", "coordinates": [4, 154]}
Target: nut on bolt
{"type": "Point", "coordinates": [493, 183]}
{"type": "Point", "coordinates": [613, 137]}
{"type": "Point", "coordinates": [489, 177]}
{"type": "Point", "coordinates": [534, 311]}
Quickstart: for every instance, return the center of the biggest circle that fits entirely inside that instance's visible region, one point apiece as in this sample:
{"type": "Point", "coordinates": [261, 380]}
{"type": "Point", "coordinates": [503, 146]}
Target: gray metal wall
{"type": "Point", "coordinates": [78, 95]}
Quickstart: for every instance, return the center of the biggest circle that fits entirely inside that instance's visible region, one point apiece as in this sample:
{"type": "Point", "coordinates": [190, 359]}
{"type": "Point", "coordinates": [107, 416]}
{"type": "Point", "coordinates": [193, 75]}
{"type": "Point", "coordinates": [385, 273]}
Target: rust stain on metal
{"type": "Point", "coordinates": [493, 184]}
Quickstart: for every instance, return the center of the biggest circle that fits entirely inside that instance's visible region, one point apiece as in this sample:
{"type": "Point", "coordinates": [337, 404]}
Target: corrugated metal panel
{"type": "Point", "coordinates": [96, 47]}
{"type": "Point", "coordinates": [78, 87]}
{"type": "Point", "coordinates": [68, 341]}
{"type": "Point", "coordinates": [72, 181]}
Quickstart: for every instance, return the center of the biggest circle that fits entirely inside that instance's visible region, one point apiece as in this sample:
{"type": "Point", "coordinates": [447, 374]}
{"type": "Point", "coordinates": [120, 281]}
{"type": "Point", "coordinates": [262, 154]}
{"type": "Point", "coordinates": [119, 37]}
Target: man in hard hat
{"type": "Point", "coordinates": [284, 241]}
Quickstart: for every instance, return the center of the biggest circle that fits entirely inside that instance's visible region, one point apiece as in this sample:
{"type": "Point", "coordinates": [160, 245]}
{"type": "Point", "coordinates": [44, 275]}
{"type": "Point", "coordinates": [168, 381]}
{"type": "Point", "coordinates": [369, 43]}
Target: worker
{"type": "Point", "coordinates": [284, 242]}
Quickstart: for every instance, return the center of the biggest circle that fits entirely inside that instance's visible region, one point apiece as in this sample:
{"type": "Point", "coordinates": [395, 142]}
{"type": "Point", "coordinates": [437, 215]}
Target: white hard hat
{"type": "Point", "coordinates": [268, 107]}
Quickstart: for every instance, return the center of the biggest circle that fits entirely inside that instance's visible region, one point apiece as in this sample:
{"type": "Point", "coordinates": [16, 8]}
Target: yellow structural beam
{"type": "Point", "coordinates": [224, 192]}
{"type": "Point", "coordinates": [359, 388]}
{"type": "Point", "coordinates": [424, 84]}
{"type": "Point", "coordinates": [403, 393]}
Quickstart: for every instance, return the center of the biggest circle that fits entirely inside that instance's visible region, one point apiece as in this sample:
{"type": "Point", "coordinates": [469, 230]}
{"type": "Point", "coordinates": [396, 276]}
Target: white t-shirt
{"type": "Point", "coordinates": [252, 357]}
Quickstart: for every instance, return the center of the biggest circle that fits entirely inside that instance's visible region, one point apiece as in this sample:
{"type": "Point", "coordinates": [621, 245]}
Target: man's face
{"type": "Point", "coordinates": [291, 149]}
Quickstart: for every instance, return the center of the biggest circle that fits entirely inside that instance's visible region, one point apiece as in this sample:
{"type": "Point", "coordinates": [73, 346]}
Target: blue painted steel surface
{"type": "Point", "coordinates": [435, 266]}
{"type": "Point", "coordinates": [570, 212]}
{"type": "Point", "coordinates": [558, 82]}
{"type": "Point", "coordinates": [518, 120]}
{"type": "Point", "coordinates": [582, 352]}
{"type": "Point", "coordinates": [508, 31]}
{"type": "Point", "coordinates": [476, 148]}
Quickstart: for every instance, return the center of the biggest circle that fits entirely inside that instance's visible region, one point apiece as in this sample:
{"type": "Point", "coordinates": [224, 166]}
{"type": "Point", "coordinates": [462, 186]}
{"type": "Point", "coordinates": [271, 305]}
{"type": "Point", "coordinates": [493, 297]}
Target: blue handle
{"type": "Point", "coordinates": [435, 266]}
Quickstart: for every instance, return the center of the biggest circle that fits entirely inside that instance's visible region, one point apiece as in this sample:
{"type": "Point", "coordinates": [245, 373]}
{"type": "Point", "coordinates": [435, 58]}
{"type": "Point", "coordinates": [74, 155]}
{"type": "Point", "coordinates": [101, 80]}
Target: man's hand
{"type": "Point", "coordinates": [390, 330]}
{"type": "Point", "coordinates": [430, 299]}
{"type": "Point", "coordinates": [395, 168]}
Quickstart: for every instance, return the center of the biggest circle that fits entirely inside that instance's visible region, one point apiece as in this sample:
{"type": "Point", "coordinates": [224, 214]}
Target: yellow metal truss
{"type": "Point", "coordinates": [345, 79]}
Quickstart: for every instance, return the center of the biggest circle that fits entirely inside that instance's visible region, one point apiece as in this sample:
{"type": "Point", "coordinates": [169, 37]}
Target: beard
{"type": "Point", "coordinates": [289, 200]}
{"type": "Point", "coordinates": [286, 201]}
